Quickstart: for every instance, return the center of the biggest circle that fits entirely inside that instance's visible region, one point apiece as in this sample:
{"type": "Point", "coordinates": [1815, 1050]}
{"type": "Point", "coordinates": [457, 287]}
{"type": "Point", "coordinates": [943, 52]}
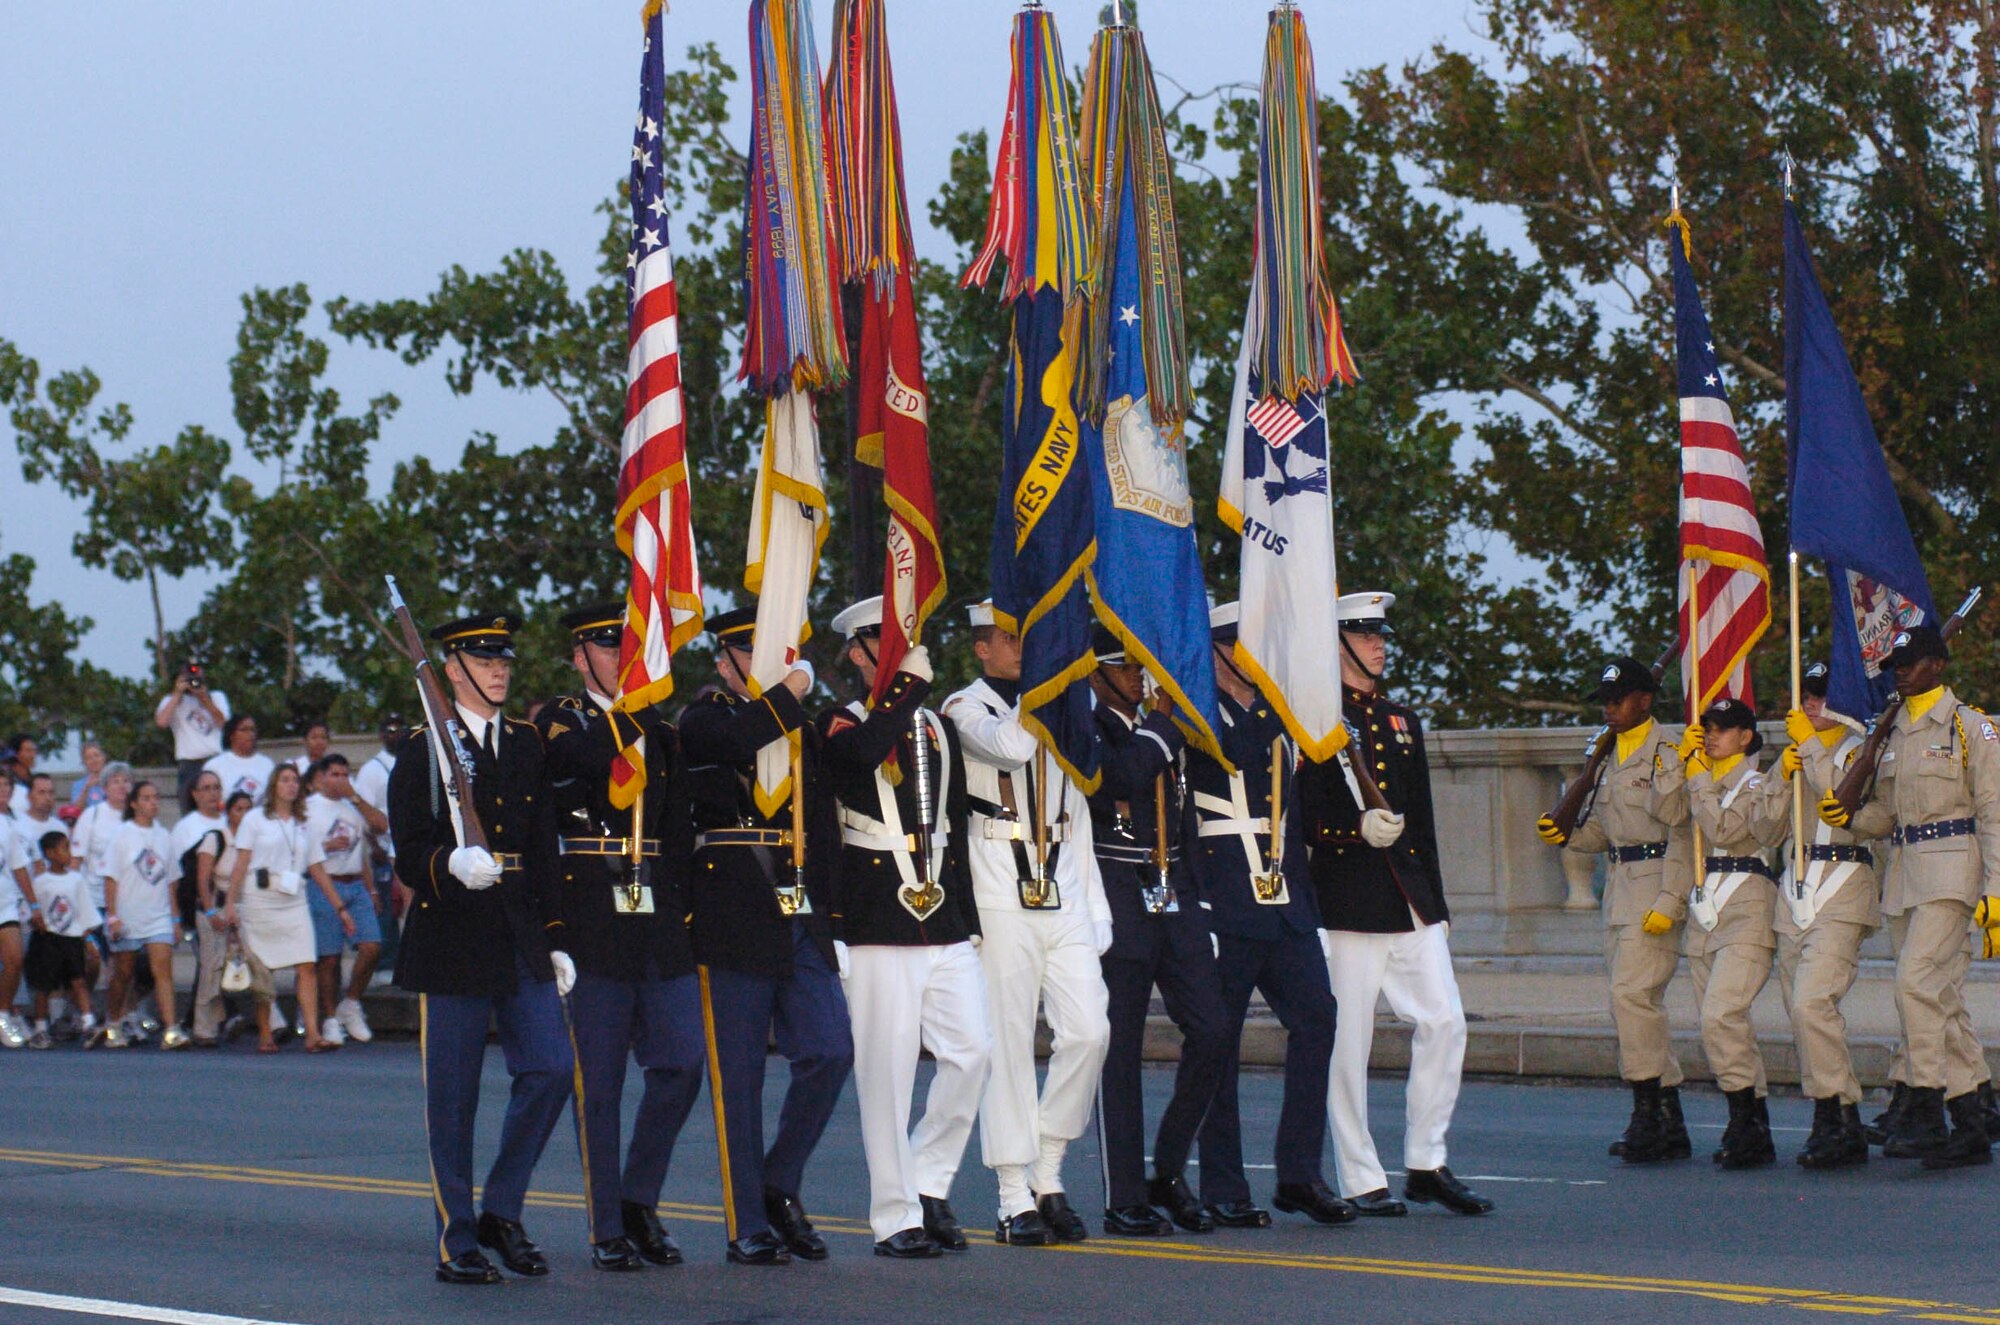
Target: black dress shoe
{"type": "Point", "coordinates": [1378, 1203]}
{"type": "Point", "coordinates": [760, 1248]}
{"type": "Point", "coordinates": [1238, 1214]}
{"type": "Point", "coordinates": [512, 1244]}
{"type": "Point", "coordinates": [643, 1226]}
{"type": "Point", "coordinates": [1065, 1223]}
{"type": "Point", "coordinates": [1315, 1200]}
{"type": "Point", "coordinates": [789, 1222]}
{"type": "Point", "coordinates": [1442, 1186]}
{"type": "Point", "coordinates": [1026, 1229]}
{"type": "Point", "coordinates": [1136, 1221]}
{"type": "Point", "coordinates": [912, 1244]}
{"type": "Point", "coordinates": [467, 1267]}
{"type": "Point", "coordinates": [941, 1224]}
{"type": "Point", "coordinates": [619, 1253]}
{"type": "Point", "coordinates": [1174, 1196]}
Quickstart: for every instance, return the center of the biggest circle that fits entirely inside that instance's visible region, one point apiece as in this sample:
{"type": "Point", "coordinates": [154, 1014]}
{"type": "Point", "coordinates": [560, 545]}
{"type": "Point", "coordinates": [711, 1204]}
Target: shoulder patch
{"type": "Point", "coordinates": [1986, 731]}
{"type": "Point", "coordinates": [557, 727]}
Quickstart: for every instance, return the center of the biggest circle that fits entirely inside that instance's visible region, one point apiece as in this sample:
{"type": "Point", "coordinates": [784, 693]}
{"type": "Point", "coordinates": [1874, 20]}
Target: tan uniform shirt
{"type": "Point", "coordinates": [1857, 897]}
{"type": "Point", "coordinates": [1633, 804]}
{"type": "Point", "coordinates": [1735, 828]}
{"type": "Point", "coordinates": [1942, 766]}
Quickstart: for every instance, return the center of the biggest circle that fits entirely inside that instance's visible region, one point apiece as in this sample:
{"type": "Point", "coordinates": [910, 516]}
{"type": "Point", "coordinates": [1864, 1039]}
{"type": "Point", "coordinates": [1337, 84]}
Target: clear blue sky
{"type": "Point", "coordinates": [160, 160]}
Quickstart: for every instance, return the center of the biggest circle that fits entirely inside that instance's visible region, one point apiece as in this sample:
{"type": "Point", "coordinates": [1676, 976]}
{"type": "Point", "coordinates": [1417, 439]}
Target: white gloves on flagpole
{"type": "Point", "coordinates": [1381, 828]}
{"type": "Point", "coordinates": [565, 972]}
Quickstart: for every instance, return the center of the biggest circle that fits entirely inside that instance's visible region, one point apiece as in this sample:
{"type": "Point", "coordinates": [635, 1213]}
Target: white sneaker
{"type": "Point", "coordinates": [331, 1032]}
{"type": "Point", "coordinates": [353, 1020]}
{"type": "Point", "coordinates": [13, 1035]}
{"type": "Point", "coordinates": [175, 1038]}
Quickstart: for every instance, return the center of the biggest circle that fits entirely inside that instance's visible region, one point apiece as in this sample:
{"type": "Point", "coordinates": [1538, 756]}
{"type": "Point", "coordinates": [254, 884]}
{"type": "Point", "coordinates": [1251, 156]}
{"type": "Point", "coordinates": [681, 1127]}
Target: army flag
{"type": "Point", "coordinates": [872, 237]}
{"type": "Point", "coordinates": [1042, 529]}
{"type": "Point", "coordinates": [793, 344]}
{"type": "Point", "coordinates": [1276, 490]}
{"type": "Point", "coordinates": [1722, 545]}
{"type": "Point", "coordinates": [663, 602]}
{"type": "Point", "coordinates": [1147, 577]}
{"type": "Point", "coordinates": [1843, 503]}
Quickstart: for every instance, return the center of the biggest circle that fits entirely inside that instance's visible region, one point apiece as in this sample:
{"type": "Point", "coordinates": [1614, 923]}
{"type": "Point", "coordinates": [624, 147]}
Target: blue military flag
{"type": "Point", "coordinates": [1844, 505]}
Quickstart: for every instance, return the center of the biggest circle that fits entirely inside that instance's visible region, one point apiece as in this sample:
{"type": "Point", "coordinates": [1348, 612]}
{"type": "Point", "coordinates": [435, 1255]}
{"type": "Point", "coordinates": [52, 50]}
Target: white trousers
{"type": "Point", "coordinates": [903, 1001]}
{"type": "Point", "coordinates": [1413, 972]}
{"type": "Point", "coordinates": [1048, 961]}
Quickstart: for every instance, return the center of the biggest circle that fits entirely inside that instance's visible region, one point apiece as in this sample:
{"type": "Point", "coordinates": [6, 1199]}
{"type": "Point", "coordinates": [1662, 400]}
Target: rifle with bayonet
{"type": "Point", "coordinates": [448, 736]}
{"type": "Point", "coordinates": [1570, 808]}
{"type": "Point", "coordinates": [1860, 776]}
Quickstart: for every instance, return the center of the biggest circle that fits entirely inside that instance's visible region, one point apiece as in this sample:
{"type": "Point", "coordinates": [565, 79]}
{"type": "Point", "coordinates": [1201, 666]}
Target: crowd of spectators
{"type": "Point", "coordinates": [262, 874]}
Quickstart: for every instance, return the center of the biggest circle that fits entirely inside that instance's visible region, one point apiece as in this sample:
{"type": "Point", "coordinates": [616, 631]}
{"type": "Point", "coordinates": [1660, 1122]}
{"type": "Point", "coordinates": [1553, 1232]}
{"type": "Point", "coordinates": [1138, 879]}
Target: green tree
{"type": "Point", "coordinates": [46, 689]}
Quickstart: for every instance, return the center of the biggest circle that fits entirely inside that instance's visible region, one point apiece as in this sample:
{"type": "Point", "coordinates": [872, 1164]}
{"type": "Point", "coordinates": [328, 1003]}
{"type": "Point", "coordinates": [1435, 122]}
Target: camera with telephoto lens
{"type": "Point", "coordinates": [194, 677]}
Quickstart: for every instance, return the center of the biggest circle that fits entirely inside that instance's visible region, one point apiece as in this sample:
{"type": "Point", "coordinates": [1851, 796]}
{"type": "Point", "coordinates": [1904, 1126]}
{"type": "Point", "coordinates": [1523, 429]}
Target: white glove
{"type": "Point", "coordinates": [474, 867]}
{"type": "Point", "coordinates": [811, 676]}
{"type": "Point", "coordinates": [840, 959]}
{"type": "Point", "coordinates": [1380, 828]}
{"type": "Point", "coordinates": [1215, 945]}
{"type": "Point", "coordinates": [1326, 944]}
{"type": "Point", "coordinates": [917, 662]}
{"type": "Point", "coordinates": [977, 941]}
{"type": "Point", "coordinates": [1100, 934]}
{"type": "Point", "coordinates": [565, 972]}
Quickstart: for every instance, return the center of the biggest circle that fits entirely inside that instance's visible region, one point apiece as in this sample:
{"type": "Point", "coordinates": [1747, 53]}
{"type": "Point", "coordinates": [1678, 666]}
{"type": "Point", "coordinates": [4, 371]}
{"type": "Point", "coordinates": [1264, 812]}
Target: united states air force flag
{"type": "Point", "coordinates": [1843, 502]}
{"type": "Point", "coordinates": [1147, 577]}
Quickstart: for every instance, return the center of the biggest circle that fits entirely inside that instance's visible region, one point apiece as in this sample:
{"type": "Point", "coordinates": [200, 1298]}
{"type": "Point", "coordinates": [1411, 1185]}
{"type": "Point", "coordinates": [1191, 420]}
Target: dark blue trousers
{"type": "Point", "coordinates": [657, 1022]}
{"type": "Point", "coordinates": [1183, 965]}
{"type": "Point", "coordinates": [808, 1012]}
{"type": "Point", "coordinates": [537, 1046]}
{"type": "Point", "coordinates": [1290, 973]}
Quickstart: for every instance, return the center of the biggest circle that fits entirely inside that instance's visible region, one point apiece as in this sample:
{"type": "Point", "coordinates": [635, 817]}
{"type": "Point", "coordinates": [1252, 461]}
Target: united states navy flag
{"type": "Point", "coordinates": [1843, 502]}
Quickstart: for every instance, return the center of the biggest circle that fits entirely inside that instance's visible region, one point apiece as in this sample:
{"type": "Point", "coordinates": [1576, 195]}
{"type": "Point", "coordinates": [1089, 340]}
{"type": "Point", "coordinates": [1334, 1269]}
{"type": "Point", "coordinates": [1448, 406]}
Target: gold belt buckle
{"type": "Point", "coordinates": [1269, 888]}
{"type": "Point", "coordinates": [1040, 894]}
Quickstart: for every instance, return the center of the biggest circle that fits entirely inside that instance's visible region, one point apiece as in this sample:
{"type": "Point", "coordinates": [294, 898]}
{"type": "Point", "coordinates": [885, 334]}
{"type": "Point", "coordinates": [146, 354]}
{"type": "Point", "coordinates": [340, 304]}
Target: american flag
{"type": "Point", "coordinates": [663, 605]}
{"type": "Point", "coordinates": [1276, 420]}
{"type": "Point", "coordinates": [1720, 538]}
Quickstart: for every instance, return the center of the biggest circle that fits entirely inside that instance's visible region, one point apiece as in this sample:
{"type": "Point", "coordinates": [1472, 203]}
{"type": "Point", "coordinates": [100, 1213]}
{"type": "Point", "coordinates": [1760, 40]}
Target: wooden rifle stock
{"type": "Point", "coordinates": [442, 716]}
{"type": "Point", "coordinates": [1854, 785]}
{"type": "Point", "coordinates": [1570, 808]}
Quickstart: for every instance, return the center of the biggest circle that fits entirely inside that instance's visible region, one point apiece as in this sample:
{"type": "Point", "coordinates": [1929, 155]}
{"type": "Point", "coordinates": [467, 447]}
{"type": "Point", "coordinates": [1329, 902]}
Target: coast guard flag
{"type": "Point", "coordinates": [1719, 529]}
{"type": "Point", "coordinates": [1844, 505]}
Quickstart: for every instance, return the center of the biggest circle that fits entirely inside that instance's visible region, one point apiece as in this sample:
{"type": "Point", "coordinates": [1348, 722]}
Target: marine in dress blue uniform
{"type": "Point", "coordinates": [765, 934]}
{"type": "Point", "coordinates": [1160, 936]}
{"type": "Point", "coordinates": [476, 948]}
{"type": "Point", "coordinates": [1266, 925]}
{"type": "Point", "coordinates": [626, 930]}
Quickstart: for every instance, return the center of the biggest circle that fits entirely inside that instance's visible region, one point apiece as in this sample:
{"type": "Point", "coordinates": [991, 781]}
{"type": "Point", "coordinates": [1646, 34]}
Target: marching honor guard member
{"type": "Point", "coordinates": [763, 927]}
{"type": "Point", "coordinates": [622, 922]}
{"type": "Point", "coordinates": [1381, 896]}
{"type": "Point", "coordinates": [1639, 821]}
{"type": "Point", "coordinates": [476, 948]}
{"type": "Point", "coordinates": [1822, 920]}
{"type": "Point", "coordinates": [1250, 865]}
{"type": "Point", "coordinates": [908, 928]}
{"type": "Point", "coordinates": [1044, 922]}
{"type": "Point", "coordinates": [1937, 797]}
{"type": "Point", "coordinates": [1159, 936]}
{"type": "Point", "coordinates": [1732, 911]}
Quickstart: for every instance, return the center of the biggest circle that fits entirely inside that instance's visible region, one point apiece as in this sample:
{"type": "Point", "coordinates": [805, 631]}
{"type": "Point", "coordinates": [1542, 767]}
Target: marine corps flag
{"type": "Point", "coordinates": [872, 236]}
{"type": "Point", "coordinates": [1147, 577]}
{"type": "Point", "coordinates": [1042, 539]}
{"type": "Point", "coordinates": [663, 603]}
{"type": "Point", "coordinates": [792, 345]}
{"type": "Point", "coordinates": [1275, 468]}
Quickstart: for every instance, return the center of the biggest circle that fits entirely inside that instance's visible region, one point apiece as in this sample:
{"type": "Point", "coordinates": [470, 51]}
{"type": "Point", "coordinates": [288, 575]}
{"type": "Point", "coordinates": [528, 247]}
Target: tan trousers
{"type": "Point", "coordinates": [1726, 982]}
{"type": "Point", "coordinates": [212, 943]}
{"type": "Point", "coordinates": [1641, 965]}
{"type": "Point", "coordinates": [1933, 953]}
{"type": "Point", "coordinates": [1815, 971]}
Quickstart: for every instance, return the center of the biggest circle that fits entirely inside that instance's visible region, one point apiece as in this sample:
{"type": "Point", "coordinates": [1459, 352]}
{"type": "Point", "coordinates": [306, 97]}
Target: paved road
{"type": "Point", "coordinates": [293, 1189]}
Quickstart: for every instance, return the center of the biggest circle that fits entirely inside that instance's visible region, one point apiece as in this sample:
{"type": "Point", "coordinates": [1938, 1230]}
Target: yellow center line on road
{"type": "Point", "coordinates": [1181, 1251]}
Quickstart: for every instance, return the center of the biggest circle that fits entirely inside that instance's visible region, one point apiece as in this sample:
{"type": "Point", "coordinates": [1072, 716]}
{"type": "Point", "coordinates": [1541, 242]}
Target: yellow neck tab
{"type": "Point", "coordinates": [1724, 767]}
{"type": "Point", "coordinates": [1630, 742]}
{"type": "Point", "coordinates": [1918, 705]}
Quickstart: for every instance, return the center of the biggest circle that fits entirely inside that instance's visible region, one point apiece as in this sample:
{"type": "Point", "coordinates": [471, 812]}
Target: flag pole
{"type": "Point", "coordinates": [1694, 696]}
{"type": "Point", "coordinates": [1798, 781]}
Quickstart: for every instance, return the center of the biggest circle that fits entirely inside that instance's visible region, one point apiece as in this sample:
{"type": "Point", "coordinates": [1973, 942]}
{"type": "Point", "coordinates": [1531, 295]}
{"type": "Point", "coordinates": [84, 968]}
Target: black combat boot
{"type": "Point", "coordinates": [1642, 1111]}
{"type": "Point", "coordinates": [1645, 1142]}
{"type": "Point", "coordinates": [1920, 1128]}
{"type": "Point", "coordinates": [1989, 1111]}
{"type": "Point", "coordinates": [1967, 1144]}
{"type": "Point", "coordinates": [1825, 1134]}
{"type": "Point", "coordinates": [1836, 1141]}
{"type": "Point", "coordinates": [1749, 1121]}
{"type": "Point", "coordinates": [1673, 1127]}
{"type": "Point", "coordinates": [1878, 1131]}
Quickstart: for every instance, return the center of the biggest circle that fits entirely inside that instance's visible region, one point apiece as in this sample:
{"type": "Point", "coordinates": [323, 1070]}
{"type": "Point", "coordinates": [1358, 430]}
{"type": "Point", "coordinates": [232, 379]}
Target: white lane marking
{"type": "Point", "coordinates": [1716, 1127]}
{"type": "Point", "coordinates": [97, 1306]}
{"type": "Point", "coordinates": [1467, 1177]}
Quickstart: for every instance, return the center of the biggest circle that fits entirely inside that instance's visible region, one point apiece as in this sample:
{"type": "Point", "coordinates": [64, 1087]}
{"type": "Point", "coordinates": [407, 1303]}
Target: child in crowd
{"type": "Point", "coordinates": [55, 951]}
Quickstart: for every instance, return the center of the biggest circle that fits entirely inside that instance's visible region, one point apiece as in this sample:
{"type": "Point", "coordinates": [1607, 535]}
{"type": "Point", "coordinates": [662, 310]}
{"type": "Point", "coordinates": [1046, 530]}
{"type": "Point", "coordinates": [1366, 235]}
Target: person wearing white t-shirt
{"type": "Point", "coordinates": [90, 845]}
{"type": "Point", "coordinates": [371, 785]}
{"type": "Point", "coordinates": [195, 715]}
{"type": "Point", "coordinates": [41, 818]}
{"type": "Point", "coordinates": [240, 765]}
{"type": "Point", "coordinates": [16, 897]}
{"type": "Point", "coordinates": [56, 953]}
{"type": "Point", "coordinates": [21, 754]}
{"type": "Point", "coordinates": [341, 822]}
{"type": "Point", "coordinates": [277, 859]}
{"type": "Point", "coordinates": [139, 912]}
{"type": "Point", "coordinates": [317, 738]}
{"type": "Point", "coordinates": [204, 824]}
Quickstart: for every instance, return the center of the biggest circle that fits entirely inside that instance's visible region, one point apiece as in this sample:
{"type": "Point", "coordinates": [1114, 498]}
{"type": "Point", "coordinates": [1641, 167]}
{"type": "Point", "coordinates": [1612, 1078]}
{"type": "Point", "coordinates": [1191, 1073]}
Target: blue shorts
{"type": "Point", "coordinates": [329, 939]}
{"type": "Point", "coordinates": [130, 944]}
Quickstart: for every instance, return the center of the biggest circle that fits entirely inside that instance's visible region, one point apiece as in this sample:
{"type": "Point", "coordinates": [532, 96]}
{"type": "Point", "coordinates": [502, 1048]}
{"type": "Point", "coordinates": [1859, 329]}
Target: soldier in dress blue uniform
{"type": "Point", "coordinates": [1160, 936]}
{"type": "Point", "coordinates": [765, 934]}
{"type": "Point", "coordinates": [477, 948]}
{"type": "Point", "coordinates": [625, 927]}
{"type": "Point", "coordinates": [1266, 924]}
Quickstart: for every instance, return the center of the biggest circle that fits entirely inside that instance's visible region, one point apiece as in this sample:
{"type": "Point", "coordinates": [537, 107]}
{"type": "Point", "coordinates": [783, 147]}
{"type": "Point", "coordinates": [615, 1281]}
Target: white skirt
{"type": "Point", "coordinates": [277, 928]}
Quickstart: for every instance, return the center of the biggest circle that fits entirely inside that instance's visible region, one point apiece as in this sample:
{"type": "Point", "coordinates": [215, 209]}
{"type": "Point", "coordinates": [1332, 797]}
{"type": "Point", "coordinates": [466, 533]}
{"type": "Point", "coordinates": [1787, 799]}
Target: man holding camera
{"type": "Point", "coordinates": [194, 714]}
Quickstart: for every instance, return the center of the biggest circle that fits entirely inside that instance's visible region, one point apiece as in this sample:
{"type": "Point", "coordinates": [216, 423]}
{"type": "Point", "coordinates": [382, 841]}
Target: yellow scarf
{"type": "Point", "coordinates": [1918, 705]}
{"type": "Point", "coordinates": [1629, 742]}
{"type": "Point", "coordinates": [1722, 768]}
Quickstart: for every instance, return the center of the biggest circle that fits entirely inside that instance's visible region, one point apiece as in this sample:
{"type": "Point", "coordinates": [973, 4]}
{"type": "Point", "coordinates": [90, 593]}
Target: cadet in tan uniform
{"type": "Point", "coordinates": [1729, 936]}
{"type": "Point", "coordinates": [1641, 827]}
{"type": "Point", "coordinates": [1822, 921]}
{"type": "Point", "coordinates": [1937, 798]}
